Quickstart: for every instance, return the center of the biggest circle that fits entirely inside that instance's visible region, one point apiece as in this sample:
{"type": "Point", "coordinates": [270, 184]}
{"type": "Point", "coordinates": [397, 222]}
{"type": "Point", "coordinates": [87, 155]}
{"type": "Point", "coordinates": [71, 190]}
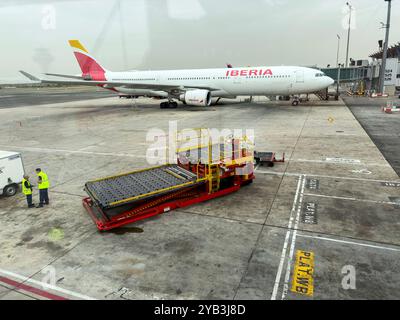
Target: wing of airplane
{"type": "Point", "coordinates": [29, 76]}
{"type": "Point", "coordinates": [112, 84]}
{"type": "Point", "coordinates": [64, 76]}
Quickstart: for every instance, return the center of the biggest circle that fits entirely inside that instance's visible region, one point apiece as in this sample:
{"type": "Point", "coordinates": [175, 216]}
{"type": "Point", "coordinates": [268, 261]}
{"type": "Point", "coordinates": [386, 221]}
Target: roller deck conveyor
{"type": "Point", "coordinates": [202, 173]}
{"type": "Point", "coordinates": [131, 187]}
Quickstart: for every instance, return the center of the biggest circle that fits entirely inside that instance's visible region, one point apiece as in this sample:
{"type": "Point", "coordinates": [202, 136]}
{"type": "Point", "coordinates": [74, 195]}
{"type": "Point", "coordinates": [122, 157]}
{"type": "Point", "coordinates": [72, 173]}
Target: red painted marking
{"type": "Point", "coordinates": [21, 286]}
{"type": "Point", "coordinates": [249, 72]}
{"type": "Point", "coordinates": [112, 89]}
{"type": "Point", "coordinates": [267, 72]}
{"type": "Point", "coordinates": [90, 67]}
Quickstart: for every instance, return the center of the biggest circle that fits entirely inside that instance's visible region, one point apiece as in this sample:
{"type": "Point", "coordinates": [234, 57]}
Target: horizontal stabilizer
{"type": "Point", "coordinates": [30, 76]}
{"type": "Point", "coordinates": [64, 76]}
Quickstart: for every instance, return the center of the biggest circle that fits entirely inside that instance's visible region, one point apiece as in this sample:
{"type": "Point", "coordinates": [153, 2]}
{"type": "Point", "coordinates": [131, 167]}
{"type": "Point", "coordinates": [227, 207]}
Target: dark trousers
{"type": "Point", "coordinates": [29, 200]}
{"type": "Point", "coordinates": [44, 196]}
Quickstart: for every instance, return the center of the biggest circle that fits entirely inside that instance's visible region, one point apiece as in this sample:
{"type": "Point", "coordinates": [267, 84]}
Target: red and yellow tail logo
{"type": "Point", "coordinates": [91, 69]}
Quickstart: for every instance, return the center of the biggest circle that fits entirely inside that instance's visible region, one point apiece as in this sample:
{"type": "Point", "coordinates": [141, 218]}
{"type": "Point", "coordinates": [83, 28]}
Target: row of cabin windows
{"type": "Point", "coordinates": [223, 78]}
{"type": "Point", "coordinates": [148, 79]}
{"type": "Point", "coordinates": [205, 78]}
{"type": "Point", "coordinates": [193, 78]}
{"type": "Point", "coordinates": [257, 77]}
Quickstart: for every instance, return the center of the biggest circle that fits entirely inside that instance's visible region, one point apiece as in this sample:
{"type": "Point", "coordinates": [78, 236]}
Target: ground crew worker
{"type": "Point", "coordinates": [27, 190]}
{"type": "Point", "coordinates": [43, 186]}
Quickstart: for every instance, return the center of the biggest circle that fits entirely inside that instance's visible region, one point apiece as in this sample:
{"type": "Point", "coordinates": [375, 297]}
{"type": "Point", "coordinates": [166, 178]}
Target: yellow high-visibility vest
{"type": "Point", "coordinates": [26, 191]}
{"type": "Point", "coordinates": [44, 184]}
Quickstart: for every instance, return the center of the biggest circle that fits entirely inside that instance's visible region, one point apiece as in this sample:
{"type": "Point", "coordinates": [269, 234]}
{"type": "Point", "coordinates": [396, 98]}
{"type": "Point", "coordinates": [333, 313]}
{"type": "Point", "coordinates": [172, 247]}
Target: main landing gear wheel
{"type": "Point", "coordinates": [295, 103]}
{"type": "Point", "coordinates": [166, 105]}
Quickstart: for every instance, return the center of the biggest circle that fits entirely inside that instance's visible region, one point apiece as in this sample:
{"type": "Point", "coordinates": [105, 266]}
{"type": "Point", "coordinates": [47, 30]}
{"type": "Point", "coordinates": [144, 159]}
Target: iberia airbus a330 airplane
{"type": "Point", "coordinates": [194, 86]}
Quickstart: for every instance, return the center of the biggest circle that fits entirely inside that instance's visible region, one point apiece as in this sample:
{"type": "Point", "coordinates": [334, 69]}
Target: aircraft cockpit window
{"type": "Point", "coordinates": [319, 74]}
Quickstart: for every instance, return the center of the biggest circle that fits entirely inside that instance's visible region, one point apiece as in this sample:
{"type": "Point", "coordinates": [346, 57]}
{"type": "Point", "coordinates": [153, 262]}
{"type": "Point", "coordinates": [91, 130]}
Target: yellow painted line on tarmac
{"type": "Point", "coordinates": [303, 280]}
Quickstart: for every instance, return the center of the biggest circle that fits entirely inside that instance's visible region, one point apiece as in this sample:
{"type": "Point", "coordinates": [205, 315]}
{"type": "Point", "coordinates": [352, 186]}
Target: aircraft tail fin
{"type": "Point", "coordinates": [91, 69]}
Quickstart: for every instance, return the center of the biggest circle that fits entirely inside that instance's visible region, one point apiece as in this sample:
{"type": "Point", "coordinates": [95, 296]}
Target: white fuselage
{"type": "Point", "coordinates": [229, 82]}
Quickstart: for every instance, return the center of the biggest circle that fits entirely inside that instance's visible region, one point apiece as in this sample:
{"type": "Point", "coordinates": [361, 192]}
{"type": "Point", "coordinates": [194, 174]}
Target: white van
{"type": "Point", "coordinates": [11, 172]}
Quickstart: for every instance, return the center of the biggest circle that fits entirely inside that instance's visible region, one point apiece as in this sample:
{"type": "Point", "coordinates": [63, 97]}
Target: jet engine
{"type": "Point", "coordinates": [196, 97]}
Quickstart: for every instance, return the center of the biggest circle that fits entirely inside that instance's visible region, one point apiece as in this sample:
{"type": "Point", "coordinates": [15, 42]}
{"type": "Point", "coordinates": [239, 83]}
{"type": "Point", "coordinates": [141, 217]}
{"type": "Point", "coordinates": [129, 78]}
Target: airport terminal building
{"type": "Point", "coordinates": [392, 73]}
{"type": "Point", "coordinates": [363, 75]}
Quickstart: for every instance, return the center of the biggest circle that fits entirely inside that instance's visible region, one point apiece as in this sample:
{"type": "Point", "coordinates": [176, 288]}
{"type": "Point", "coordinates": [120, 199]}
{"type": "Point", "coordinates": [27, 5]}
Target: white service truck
{"type": "Point", "coordinates": [11, 172]}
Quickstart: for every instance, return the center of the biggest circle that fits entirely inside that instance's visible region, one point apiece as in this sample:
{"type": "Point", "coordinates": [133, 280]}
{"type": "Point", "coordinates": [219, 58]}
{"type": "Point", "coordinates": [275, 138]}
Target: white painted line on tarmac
{"type": "Point", "coordinates": [293, 245]}
{"type": "Point", "coordinates": [46, 285]}
{"type": "Point", "coordinates": [6, 96]}
{"type": "Point", "coordinates": [285, 244]}
{"type": "Point", "coordinates": [330, 160]}
{"type": "Point", "coordinates": [294, 174]}
{"type": "Point", "coordinates": [349, 242]}
{"type": "Point", "coordinates": [278, 173]}
{"type": "Point", "coordinates": [48, 150]}
{"type": "Point", "coordinates": [350, 199]}
{"type": "Point", "coordinates": [343, 162]}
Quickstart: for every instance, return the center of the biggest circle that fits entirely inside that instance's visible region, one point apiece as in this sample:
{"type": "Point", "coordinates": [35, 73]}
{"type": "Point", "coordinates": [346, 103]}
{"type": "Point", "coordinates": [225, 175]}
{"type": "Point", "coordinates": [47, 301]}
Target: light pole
{"type": "Point", "coordinates": [348, 34]}
{"type": "Point", "coordinates": [338, 48]}
{"type": "Point", "coordinates": [337, 55]}
{"type": "Point", "coordinates": [338, 67]}
{"type": "Point", "coordinates": [385, 49]}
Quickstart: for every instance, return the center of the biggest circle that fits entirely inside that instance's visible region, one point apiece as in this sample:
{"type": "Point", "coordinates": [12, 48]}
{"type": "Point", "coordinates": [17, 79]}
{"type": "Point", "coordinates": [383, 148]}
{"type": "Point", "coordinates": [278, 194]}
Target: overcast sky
{"type": "Point", "coordinates": [169, 34]}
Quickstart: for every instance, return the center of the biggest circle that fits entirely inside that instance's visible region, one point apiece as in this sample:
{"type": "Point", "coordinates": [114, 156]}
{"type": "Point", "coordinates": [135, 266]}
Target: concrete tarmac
{"type": "Point", "coordinates": [383, 128]}
{"type": "Point", "coordinates": [334, 206]}
{"type": "Point", "coordinates": [22, 97]}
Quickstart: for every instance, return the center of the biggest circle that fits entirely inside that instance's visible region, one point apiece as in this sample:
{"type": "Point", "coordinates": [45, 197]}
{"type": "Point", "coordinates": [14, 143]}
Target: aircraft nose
{"type": "Point", "coordinates": [329, 81]}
